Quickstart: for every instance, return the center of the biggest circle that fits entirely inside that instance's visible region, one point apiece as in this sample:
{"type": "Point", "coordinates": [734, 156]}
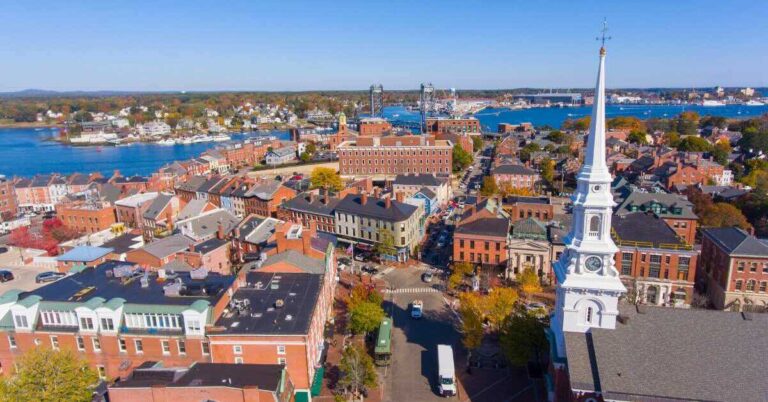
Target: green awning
{"type": "Point", "coordinates": [317, 381]}
{"type": "Point", "coordinates": [302, 396]}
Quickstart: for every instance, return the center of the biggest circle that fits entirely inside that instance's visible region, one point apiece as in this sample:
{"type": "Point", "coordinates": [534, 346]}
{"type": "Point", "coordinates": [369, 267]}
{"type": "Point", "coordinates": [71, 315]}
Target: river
{"type": "Point", "coordinates": [29, 151]}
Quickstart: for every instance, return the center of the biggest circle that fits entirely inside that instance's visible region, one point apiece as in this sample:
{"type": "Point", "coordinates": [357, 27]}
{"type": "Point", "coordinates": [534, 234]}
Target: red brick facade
{"type": "Point", "coordinates": [387, 156]}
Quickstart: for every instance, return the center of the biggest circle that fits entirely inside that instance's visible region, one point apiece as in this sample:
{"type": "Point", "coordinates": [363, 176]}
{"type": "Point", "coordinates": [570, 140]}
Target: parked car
{"type": "Point", "coordinates": [362, 257]}
{"type": "Point", "coordinates": [3, 250]}
{"type": "Point", "coordinates": [49, 276]}
{"type": "Point", "coordinates": [427, 277]}
{"type": "Point", "coordinates": [6, 275]}
{"type": "Point", "coordinates": [369, 269]}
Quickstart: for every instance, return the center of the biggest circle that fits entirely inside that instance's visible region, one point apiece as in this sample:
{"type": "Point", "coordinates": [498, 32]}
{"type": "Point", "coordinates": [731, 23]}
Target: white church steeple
{"type": "Point", "coordinates": [588, 284]}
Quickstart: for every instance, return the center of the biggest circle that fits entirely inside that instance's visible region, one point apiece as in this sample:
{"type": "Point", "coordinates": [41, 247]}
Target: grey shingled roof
{"type": "Point", "coordinates": [425, 179]}
{"type": "Point", "coordinates": [208, 223]}
{"type": "Point", "coordinates": [303, 203]}
{"type": "Point", "coordinates": [644, 227]}
{"type": "Point", "coordinates": [485, 226]}
{"type": "Point", "coordinates": [264, 191]}
{"type": "Point", "coordinates": [157, 205]}
{"type": "Point", "coordinates": [168, 246]}
{"type": "Point", "coordinates": [192, 184]}
{"type": "Point", "coordinates": [428, 193]}
{"type": "Point", "coordinates": [673, 354]}
{"type": "Point", "coordinates": [376, 208]}
{"type": "Point", "coordinates": [671, 201]}
{"type": "Point", "coordinates": [193, 208]}
{"type": "Point", "coordinates": [735, 241]}
{"type": "Point", "coordinates": [513, 169]}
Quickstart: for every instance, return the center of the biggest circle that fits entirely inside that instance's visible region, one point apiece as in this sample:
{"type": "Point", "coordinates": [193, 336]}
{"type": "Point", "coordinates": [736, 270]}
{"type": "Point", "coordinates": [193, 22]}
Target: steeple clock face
{"type": "Point", "coordinates": [593, 264]}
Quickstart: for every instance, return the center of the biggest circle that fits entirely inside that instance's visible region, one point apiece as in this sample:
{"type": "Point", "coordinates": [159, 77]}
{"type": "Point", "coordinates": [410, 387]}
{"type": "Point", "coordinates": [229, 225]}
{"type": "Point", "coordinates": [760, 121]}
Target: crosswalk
{"type": "Point", "coordinates": [412, 290]}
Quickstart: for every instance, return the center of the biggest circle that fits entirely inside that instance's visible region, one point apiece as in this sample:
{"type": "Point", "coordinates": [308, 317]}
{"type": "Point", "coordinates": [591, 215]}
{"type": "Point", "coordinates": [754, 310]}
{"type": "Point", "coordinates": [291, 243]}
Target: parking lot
{"type": "Point", "coordinates": [24, 276]}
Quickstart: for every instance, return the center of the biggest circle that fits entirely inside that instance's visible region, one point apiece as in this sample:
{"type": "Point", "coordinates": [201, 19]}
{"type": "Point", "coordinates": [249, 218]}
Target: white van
{"type": "Point", "coordinates": [446, 371]}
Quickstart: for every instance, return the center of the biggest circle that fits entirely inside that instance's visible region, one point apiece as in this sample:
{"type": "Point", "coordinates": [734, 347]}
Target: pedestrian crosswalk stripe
{"type": "Point", "coordinates": [412, 290]}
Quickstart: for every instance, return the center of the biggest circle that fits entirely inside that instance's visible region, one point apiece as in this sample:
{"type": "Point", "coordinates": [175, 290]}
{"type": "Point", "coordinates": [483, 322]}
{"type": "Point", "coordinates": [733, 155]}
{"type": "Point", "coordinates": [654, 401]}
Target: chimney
{"type": "Point", "coordinates": [363, 198]}
{"type": "Point", "coordinates": [326, 198]}
{"type": "Point", "coordinates": [312, 198]}
{"type": "Point", "coordinates": [192, 248]}
{"type": "Point", "coordinates": [377, 192]}
{"type": "Point", "coordinates": [399, 196]}
{"type": "Point", "coordinates": [387, 202]}
{"type": "Point", "coordinates": [220, 231]}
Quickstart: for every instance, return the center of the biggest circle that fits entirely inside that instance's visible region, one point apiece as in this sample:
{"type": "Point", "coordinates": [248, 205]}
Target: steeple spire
{"type": "Point", "coordinates": [594, 162]}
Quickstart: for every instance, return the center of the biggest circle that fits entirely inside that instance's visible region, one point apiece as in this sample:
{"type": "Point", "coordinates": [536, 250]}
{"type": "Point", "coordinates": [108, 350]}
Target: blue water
{"type": "Point", "coordinates": [490, 118]}
{"type": "Point", "coordinates": [28, 151]}
{"type": "Point", "coordinates": [25, 152]}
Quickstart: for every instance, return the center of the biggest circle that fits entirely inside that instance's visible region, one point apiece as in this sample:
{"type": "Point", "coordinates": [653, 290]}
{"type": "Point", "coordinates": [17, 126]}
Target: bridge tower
{"type": "Point", "coordinates": [377, 100]}
{"type": "Point", "coordinates": [426, 103]}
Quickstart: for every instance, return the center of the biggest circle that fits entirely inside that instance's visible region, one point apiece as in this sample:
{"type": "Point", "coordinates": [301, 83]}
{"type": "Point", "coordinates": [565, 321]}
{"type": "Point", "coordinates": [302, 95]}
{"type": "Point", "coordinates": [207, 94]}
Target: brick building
{"type": "Point", "coordinates": [374, 127]}
{"type": "Point", "coordinates": [516, 176]}
{"type": "Point", "coordinates": [674, 209]}
{"type": "Point", "coordinates": [459, 125]}
{"type": "Point", "coordinates": [130, 210]}
{"type": "Point", "coordinates": [735, 269]}
{"type": "Point", "coordinates": [8, 204]}
{"type": "Point", "coordinates": [152, 382]}
{"type": "Point", "coordinates": [310, 207]}
{"type": "Point", "coordinates": [265, 197]}
{"type": "Point", "coordinates": [653, 261]}
{"type": "Point", "coordinates": [114, 323]}
{"type": "Point", "coordinates": [380, 157]}
{"type": "Point", "coordinates": [86, 216]}
{"type": "Point", "coordinates": [519, 207]}
{"type": "Point", "coordinates": [482, 235]}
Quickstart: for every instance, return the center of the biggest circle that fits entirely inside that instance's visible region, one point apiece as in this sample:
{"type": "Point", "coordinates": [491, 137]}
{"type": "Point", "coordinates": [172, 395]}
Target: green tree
{"type": "Point", "coordinates": [671, 138]}
{"type": "Point", "coordinates": [362, 293]}
{"type": "Point", "coordinates": [461, 158]}
{"type": "Point", "coordinates": [477, 143]}
{"type": "Point", "coordinates": [499, 304]}
{"type": "Point", "coordinates": [527, 150]}
{"type": "Point", "coordinates": [305, 157]}
{"type": "Point", "coordinates": [523, 338]}
{"type": "Point", "coordinates": [556, 136]}
{"type": "Point", "coordinates": [722, 214]}
{"type": "Point", "coordinates": [46, 375]}
{"type": "Point", "coordinates": [626, 122]}
{"type": "Point", "coordinates": [489, 187]}
{"type": "Point", "coordinates": [386, 243]}
{"type": "Point", "coordinates": [365, 317]}
{"type": "Point", "coordinates": [637, 137]}
{"type": "Point", "coordinates": [581, 124]}
{"type": "Point", "coordinates": [720, 153]}
{"type": "Point", "coordinates": [326, 178]}
{"type": "Point", "coordinates": [529, 281]}
{"type": "Point", "coordinates": [687, 123]}
{"type": "Point", "coordinates": [694, 144]}
{"type": "Point", "coordinates": [311, 148]}
{"type": "Point", "coordinates": [754, 140]}
{"type": "Point", "coordinates": [548, 170]}
{"type": "Point", "coordinates": [357, 370]}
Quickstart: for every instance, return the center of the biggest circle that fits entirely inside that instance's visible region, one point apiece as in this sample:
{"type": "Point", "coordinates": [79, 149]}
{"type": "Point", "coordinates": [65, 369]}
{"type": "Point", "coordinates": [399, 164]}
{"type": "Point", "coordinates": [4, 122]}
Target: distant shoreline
{"type": "Point", "coordinates": [35, 124]}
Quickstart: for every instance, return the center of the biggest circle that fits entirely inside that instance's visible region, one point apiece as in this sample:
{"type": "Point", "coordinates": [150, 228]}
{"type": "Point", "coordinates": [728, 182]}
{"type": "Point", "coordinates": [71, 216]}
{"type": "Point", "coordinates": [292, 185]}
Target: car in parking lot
{"type": "Point", "coordinates": [49, 276]}
{"type": "Point", "coordinates": [369, 269]}
{"type": "Point", "coordinates": [427, 277]}
{"type": "Point", "coordinates": [362, 257]}
{"type": "Point", "coordinates": [6, 275]}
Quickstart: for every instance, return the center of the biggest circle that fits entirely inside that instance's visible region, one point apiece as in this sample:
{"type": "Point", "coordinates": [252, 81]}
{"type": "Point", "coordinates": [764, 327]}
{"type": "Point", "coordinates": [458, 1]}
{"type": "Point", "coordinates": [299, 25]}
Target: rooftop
{"type": "Point", "coordinates": [101, 282]}
{"type": "Point", "coordinates": [376, 208]}
{"type": "Point", "coordinates": [662, 353]}
{"type": "Point", "coordinates": [485, 226]}
{"type": "Point", "coordinates": [644, 230]}
{"type": "Point", "coordinates": [277, 304]}
{"type": "Point", "coordinates": [425, 179]}
{"type": "Point", "coordinates": [513, 169]}
{"type": "Point", "coordinates": [84, 254]}
{"type": "Point", "coordinates": [736, 242]}
{"type": "Point", "coordinates": [262, 376]}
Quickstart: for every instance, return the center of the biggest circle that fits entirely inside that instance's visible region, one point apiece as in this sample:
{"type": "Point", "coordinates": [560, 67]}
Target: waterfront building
{"type": "Point", "coordinates": [373, 127]}
{"type": "Point", "coordinates": [735, 269]}
{"type": "Point", "coordinates": [154, 129]}
{"type": "Point", "coordinates": [380, 157]}
{"type": "Point", "coordinates": [281, 156]}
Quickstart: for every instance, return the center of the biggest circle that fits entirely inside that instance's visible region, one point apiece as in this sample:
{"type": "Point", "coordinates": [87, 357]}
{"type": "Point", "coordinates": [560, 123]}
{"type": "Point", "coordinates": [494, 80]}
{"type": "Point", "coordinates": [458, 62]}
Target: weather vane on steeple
{"type": "Point", "coordinates": [602, 38]}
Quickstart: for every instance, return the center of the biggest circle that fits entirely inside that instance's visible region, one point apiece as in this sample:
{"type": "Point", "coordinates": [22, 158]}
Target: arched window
{"type": "Point", "coordinates": [751, 285]}
{"type": "Point", "coordinates": [589, 315]}
{"type": "Point", "coordinates": [594, 226]}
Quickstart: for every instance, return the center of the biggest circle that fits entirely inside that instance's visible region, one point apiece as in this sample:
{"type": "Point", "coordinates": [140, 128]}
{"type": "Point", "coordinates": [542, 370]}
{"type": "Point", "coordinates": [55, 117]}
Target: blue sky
{"type": "Point", "coordinates": [298, 45]}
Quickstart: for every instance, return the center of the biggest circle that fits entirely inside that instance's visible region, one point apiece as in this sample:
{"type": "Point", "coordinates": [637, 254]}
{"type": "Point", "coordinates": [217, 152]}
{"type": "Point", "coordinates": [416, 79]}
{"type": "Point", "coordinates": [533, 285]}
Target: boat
{"type": "Point", "coordinates": [201, 138]}
{"type": "Point", "coordinates": [220, 138]}
{"type": "Point", "coordinates": [712, 103]}
{"type": "Point", "coordinates": [753, 102]}
{"type": "Point", "coordinates": [184, 141]}
{"type": "Point", "coordinates": [169, 141]}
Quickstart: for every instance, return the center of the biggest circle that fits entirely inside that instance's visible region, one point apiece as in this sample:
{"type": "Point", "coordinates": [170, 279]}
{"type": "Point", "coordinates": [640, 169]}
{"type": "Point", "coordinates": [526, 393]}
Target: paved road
{"type": "Point", "coordinates": [413, 373]}
{"type": "Point", "coordinates": [24, 276]}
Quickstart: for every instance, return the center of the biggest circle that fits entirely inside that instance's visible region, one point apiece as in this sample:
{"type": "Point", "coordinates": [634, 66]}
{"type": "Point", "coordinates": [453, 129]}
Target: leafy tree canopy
{"type": "Point", "coordinates": [47, 375]}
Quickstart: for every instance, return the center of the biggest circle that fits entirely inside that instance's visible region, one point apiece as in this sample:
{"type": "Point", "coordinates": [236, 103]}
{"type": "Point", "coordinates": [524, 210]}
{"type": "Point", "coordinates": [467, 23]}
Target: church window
{"type": "Point", "coordinates": [589, 315]}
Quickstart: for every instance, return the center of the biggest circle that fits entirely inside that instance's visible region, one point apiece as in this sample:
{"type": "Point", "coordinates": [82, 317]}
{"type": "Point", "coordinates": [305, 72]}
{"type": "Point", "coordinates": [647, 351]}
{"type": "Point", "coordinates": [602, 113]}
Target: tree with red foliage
{"type": "Point", "coordinates": [53, 233]}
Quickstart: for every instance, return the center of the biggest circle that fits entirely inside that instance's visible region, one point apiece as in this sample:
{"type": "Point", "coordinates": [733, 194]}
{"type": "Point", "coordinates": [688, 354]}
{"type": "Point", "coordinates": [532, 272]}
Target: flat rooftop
{"type": "Point", "coordinates": [277, 304]}
{"type": "Point", "coordinates": [102, 283]}
{"type": "Point", "coordinates": [263, 376]}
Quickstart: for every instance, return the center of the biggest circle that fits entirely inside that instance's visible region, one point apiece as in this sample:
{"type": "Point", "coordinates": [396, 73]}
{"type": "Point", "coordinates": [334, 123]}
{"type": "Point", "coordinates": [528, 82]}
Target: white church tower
{"type": "Point", "coordinates": [588, 284]}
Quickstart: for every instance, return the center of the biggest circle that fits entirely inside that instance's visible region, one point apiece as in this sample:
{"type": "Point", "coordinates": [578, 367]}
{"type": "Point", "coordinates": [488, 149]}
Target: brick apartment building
{"type": "Point", "coordinates": [264, 198]}
{"type": "Point", "coordinates": [130, 210]}
{"type": "Point", "coordinates": [87, 216]}
{"type": "Point", "coordinates": [482, 235]}
{"type": "Point", "coordinates": [519, 207]}
{"type": "Point", "coordinates": [310, 207]}
{"type": "Point", "coordinates": [380, 157]}
{"type": "Point", "coordinates": [735, 269]}
{"type": "Point", "coordinates": [460, 125]}
{"type": "Point", "coordinates": [653, 261]}
{"type": "Point", "coordinates": [373, 127]}
{"type": "Point", "coordinates": [464, 140]}
{"type": "Point", "coordinates": [115, 319]}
